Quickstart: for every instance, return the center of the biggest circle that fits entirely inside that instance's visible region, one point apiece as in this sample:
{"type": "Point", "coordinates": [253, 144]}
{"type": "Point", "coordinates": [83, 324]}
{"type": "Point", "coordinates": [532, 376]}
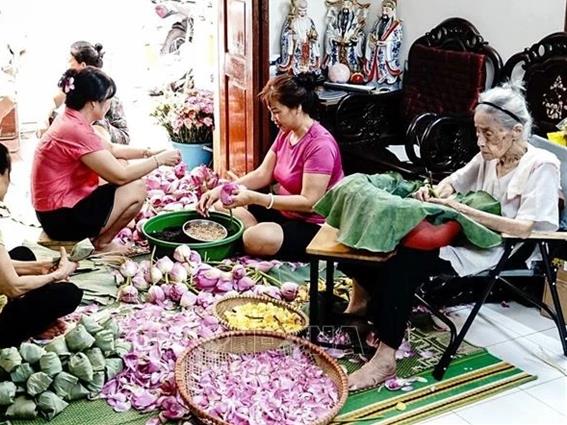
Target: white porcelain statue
{"type": "Point", "coordinates": [299, 42]}
{"type": "Point", "coordinates": [382, 53]}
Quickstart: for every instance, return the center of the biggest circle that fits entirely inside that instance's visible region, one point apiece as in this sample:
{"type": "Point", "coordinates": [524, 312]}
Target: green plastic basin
{"type": "Point", "coordinates": [210, 251]}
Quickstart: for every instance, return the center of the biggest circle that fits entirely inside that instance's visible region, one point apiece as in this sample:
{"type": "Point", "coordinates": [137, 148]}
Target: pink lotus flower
{"type": "Point", "coordinates": [188, 299]}
{"type": "Point", "coordinates": [140, 282]}
{"type": "Point", "coordinates": [154, 275]}
{"type": "Point", "coordinates": [244, 284]}
{"type": "Point", "coordinates": [128, 294]}
{"type": "Point", "coordinates": [164, 265]}
{"type": "Point", "coordinates": [155, 295]}
{"type": "Point", "coordinates": [289, 291]}
{"type": "Point", "coordinates": [207, 279]}
{"type": "Point", "coordinates": [228, 190]}
{"type": "Point", "coordinates": [182, 253]}
{"type": "Point", "coordinates": [178, 274]}
{"type": "Point", "coordinates": [176, 291]}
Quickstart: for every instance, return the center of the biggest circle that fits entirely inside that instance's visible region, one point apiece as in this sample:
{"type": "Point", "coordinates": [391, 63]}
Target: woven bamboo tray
{"type": "Point", "coordinates": [210, 352]}
{"type": "Point", "coordinates": [228, 303]}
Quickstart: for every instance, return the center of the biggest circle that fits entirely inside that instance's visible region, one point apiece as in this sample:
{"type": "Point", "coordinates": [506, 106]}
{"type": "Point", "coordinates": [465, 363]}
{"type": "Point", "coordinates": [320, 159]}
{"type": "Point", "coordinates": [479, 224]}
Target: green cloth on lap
{"type": "Point", "coordinates": [375, 212]}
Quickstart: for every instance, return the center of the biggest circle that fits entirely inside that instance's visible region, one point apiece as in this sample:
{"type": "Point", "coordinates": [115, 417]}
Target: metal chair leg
{"type": "Point", "coordinates": [313, 302]}
{"type": "Point", "coordinates": [452, 348]}
{"type": "Point", "coordinates": [446, 321]}
{"type": "Point", "coordinates": [551, 279]}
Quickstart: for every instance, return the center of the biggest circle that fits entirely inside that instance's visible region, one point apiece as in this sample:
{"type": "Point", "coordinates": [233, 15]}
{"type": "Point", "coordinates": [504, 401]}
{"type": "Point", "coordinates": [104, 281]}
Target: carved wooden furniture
{"type": "Point", "coordinates": [543, 68]}
{"type": "Point", "coordinates": [431, 115]}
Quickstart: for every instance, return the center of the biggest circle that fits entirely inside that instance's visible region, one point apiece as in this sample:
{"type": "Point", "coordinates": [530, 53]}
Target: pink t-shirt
{"type": "Point", "coordinates": [316, 152]}
{"type": "Point", "coordinates": [59, 177]}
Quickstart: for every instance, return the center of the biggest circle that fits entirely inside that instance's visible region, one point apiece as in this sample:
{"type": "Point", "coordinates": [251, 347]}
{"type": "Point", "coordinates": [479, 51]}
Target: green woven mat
{"type": "Point", "coordinates": [95, 412]}
{"type": "Point", "coordinates": [470, 377]}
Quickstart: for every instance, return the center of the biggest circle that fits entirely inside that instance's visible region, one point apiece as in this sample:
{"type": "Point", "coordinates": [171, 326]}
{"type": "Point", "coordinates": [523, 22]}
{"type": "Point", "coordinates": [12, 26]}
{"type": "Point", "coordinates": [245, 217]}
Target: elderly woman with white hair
{"type": "Point", "coordinates": [524, 179]}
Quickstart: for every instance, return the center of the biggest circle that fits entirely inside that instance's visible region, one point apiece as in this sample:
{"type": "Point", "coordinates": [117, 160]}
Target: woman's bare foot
{"type": "Point", "coordinates": [358, 302]}
{"type": "Point", "coordinates": [57, 328]}
{"type": "Point", "coordinates": [379, 368]}
{"type": "Point", "coordinates": [113, 247]}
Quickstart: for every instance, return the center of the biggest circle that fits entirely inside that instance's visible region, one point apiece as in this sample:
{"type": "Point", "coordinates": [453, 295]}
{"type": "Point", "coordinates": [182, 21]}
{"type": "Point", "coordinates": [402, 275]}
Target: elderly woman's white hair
{"type": "Point", "coordinates": [507, 104]}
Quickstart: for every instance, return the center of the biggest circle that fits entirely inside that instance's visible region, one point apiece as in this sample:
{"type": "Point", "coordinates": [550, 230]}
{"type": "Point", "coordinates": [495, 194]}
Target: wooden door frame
{"type": "Point", "coordinates": [258, 60]}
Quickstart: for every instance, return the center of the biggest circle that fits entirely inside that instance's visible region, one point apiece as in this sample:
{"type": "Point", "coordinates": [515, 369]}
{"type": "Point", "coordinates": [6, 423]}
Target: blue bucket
{"type": "Point", "coordinates": [194, 154]}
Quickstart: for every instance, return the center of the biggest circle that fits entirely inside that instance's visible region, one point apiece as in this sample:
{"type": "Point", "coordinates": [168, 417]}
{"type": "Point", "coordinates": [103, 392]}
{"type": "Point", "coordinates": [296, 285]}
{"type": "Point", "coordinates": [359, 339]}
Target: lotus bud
{"type": "Point", "coordinates": [244, 284]}
{"type": "Point", "coordinates": [207, 279]}
{"type": "Point", "coordinates": [188, 268]}
{"type": "Point", "coordinates": [177, 292]}
{"type": "Point", "coordinates": [188, 299]}
{"type": "Point", "coordinates": [128, 294]}
{"type": "Point", "coordinates": [180, 170]}
{"type": "Point", "coordinates": [264, 266]}
{"type": "Point", "coordinates": [289, 291]}
{"type": "Point", "coordinates": [224, 283]}
{"type": "Point", "coordinates": [154, 275]}
{"type": "Point", "coordinates": [259, 290]}
{"type": "Point", "coordinates": [128, 269]}
{"type": "Point", "coordinates": [273, 292]}
{"type": "Point", "coordinates": [238, 272]}
{"type": "Point", "coordinates": [140, 224]}
{"type": "Point", "coordinates": [178, 274]}
{"type": "Point", "coordinates": [155, 295]}
{"type": "Point", "coordinates": [195, 257]}
{"type": "Point", "coordinates": [140, 282]}
{"type": "Point", "coordinates": [164, 265]}
{"type": "Point", "coordinates": [227, 193]}
{"type": "Point", "coordinates": [143, 266]}
{"type": "Point", "coordinates": [182, 253]}
{"type": "Point", "coordinates": [124, 234]}
{"type": "Point", "coordinates": [212, 182]}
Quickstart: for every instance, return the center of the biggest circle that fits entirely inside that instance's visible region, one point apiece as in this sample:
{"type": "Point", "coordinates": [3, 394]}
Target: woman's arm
{"type": "Point", "coordinates": [511, 226]}
{"type": "Point", "coordinates": [105, 164]}
{"type": "Point", "coordinates": [314, 187]}
{"type": "Point", "coordinates": [14, 286]}
{"type": "Point", "coordinates": [122, 151]}
{"type": "Point", "coordinates": [24, 268]}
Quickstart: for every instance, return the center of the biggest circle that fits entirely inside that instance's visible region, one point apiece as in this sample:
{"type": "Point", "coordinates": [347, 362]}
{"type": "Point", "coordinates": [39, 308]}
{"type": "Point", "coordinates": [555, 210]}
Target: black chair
{"type": "Point", "coordinates": [447, 68]}
{"type": "Point", "coordinates": [543, 68]}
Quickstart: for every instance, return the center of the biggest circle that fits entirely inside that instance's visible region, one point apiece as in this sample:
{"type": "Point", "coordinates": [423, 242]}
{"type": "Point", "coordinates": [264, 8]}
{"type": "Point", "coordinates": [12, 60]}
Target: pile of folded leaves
{"type": "Point", "coordinates": [36, 379]}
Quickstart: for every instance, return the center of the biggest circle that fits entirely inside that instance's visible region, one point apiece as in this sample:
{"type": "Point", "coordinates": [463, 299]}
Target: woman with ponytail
{"type": "Point", "coordinates": [303, 162]}
{"type": "Point", "coordinates": [113, 126]}
{"type": "Point", "coordinates": [71, 158]}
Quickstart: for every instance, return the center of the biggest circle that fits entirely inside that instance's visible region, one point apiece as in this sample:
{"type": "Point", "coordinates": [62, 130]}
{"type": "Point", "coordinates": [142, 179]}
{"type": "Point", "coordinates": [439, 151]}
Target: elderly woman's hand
{"type": "Point", "coordinates": [422, 194]}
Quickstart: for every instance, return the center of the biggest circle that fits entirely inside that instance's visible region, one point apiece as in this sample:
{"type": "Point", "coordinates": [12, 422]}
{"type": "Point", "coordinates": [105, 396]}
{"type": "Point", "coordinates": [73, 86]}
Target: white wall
{"type": "Point", "coordinates": [508, 25]}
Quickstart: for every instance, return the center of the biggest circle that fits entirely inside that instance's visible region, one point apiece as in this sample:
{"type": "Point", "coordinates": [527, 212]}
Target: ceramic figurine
{"type": "Point", "coordinates": [344, 37]}
{"type": "Point", "coordinates": [299, 42]}
{"type": "Point", "coordinates": [382, 53]}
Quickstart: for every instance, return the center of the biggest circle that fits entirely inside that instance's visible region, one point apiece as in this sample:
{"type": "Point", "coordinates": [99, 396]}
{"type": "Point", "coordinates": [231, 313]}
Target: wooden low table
{"type": "Point", "coordinates": [325, 246]}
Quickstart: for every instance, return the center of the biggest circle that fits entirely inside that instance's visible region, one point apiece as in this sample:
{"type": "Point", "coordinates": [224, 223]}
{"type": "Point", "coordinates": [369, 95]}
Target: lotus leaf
{"type": "Point", "coordinates": [31, 353]}
{"type": "Point", "coordinates": [78, 339]}
{"type": "Point", "coordinates": [22, 373]}
{"type": "Point", "coordinates": [90, 324]}
{"type": "Point", "coordinates": [122, 347]}
{"type": "Point", "coordinates": [59, 346]}
{"type": "Point", "coordinates": [96, 358]}
{"type": "Point", "coordinates": [105, 341]}
{"type": "Point", "coordinates": [23, 408]}
{"type": "Point", "coordinates": [80, 366]}
{"type": "Point", "coordinates": [64, 383]}
{"type": "Point", "coordinates": [51, 404]}
{"type": "Point", "coordinates": [10, 359]}
{"type": "Point", "coordinates": [113, 367]}
{"type": "Point", "coordinates": [50, 364]}
{"type": "Point", "coordinates": [77, 392]}
{"type": "Point", "coordinates": [112, 325]}
{"type": "Point", "coordinates": [95, 386]}
{"type": "Point", "coordinates": [37, 383]}
{"type": "Point", "coordinates": [7, 393]}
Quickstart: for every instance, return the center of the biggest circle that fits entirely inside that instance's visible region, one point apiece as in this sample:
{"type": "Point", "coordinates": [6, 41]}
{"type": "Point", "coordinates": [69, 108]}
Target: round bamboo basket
{"type": "Point", "coordinates": [208, 353]}
{"type": "Point", "coordinates": [228, 303]}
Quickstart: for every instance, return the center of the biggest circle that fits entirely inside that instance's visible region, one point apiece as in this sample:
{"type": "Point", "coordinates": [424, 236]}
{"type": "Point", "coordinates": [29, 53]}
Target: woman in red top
{"type": "Point", "coordinates": [71, 158]}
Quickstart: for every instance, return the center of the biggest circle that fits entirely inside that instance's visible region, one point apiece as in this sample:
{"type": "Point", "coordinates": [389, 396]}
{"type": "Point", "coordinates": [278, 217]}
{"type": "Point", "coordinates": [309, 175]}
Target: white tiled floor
{"type": "Point", "coordinates": [517, 334]}
{"type": "Point", "coordinates": [523, 337]}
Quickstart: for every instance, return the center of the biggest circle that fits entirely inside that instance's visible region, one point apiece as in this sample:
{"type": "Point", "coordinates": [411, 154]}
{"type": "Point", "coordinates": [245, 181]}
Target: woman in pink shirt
{"type": "Point", "coordinates": [304, 162]}
{"type": "Point", "coordinates": [71, 158]}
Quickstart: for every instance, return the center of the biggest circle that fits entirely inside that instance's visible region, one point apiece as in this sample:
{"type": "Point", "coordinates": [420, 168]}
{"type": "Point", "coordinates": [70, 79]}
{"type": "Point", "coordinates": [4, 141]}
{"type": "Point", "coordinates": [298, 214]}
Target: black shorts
{"type": "Point", "coordinates": [85, 220]}
{"type": "Point", "coordinates": [296, 233]}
